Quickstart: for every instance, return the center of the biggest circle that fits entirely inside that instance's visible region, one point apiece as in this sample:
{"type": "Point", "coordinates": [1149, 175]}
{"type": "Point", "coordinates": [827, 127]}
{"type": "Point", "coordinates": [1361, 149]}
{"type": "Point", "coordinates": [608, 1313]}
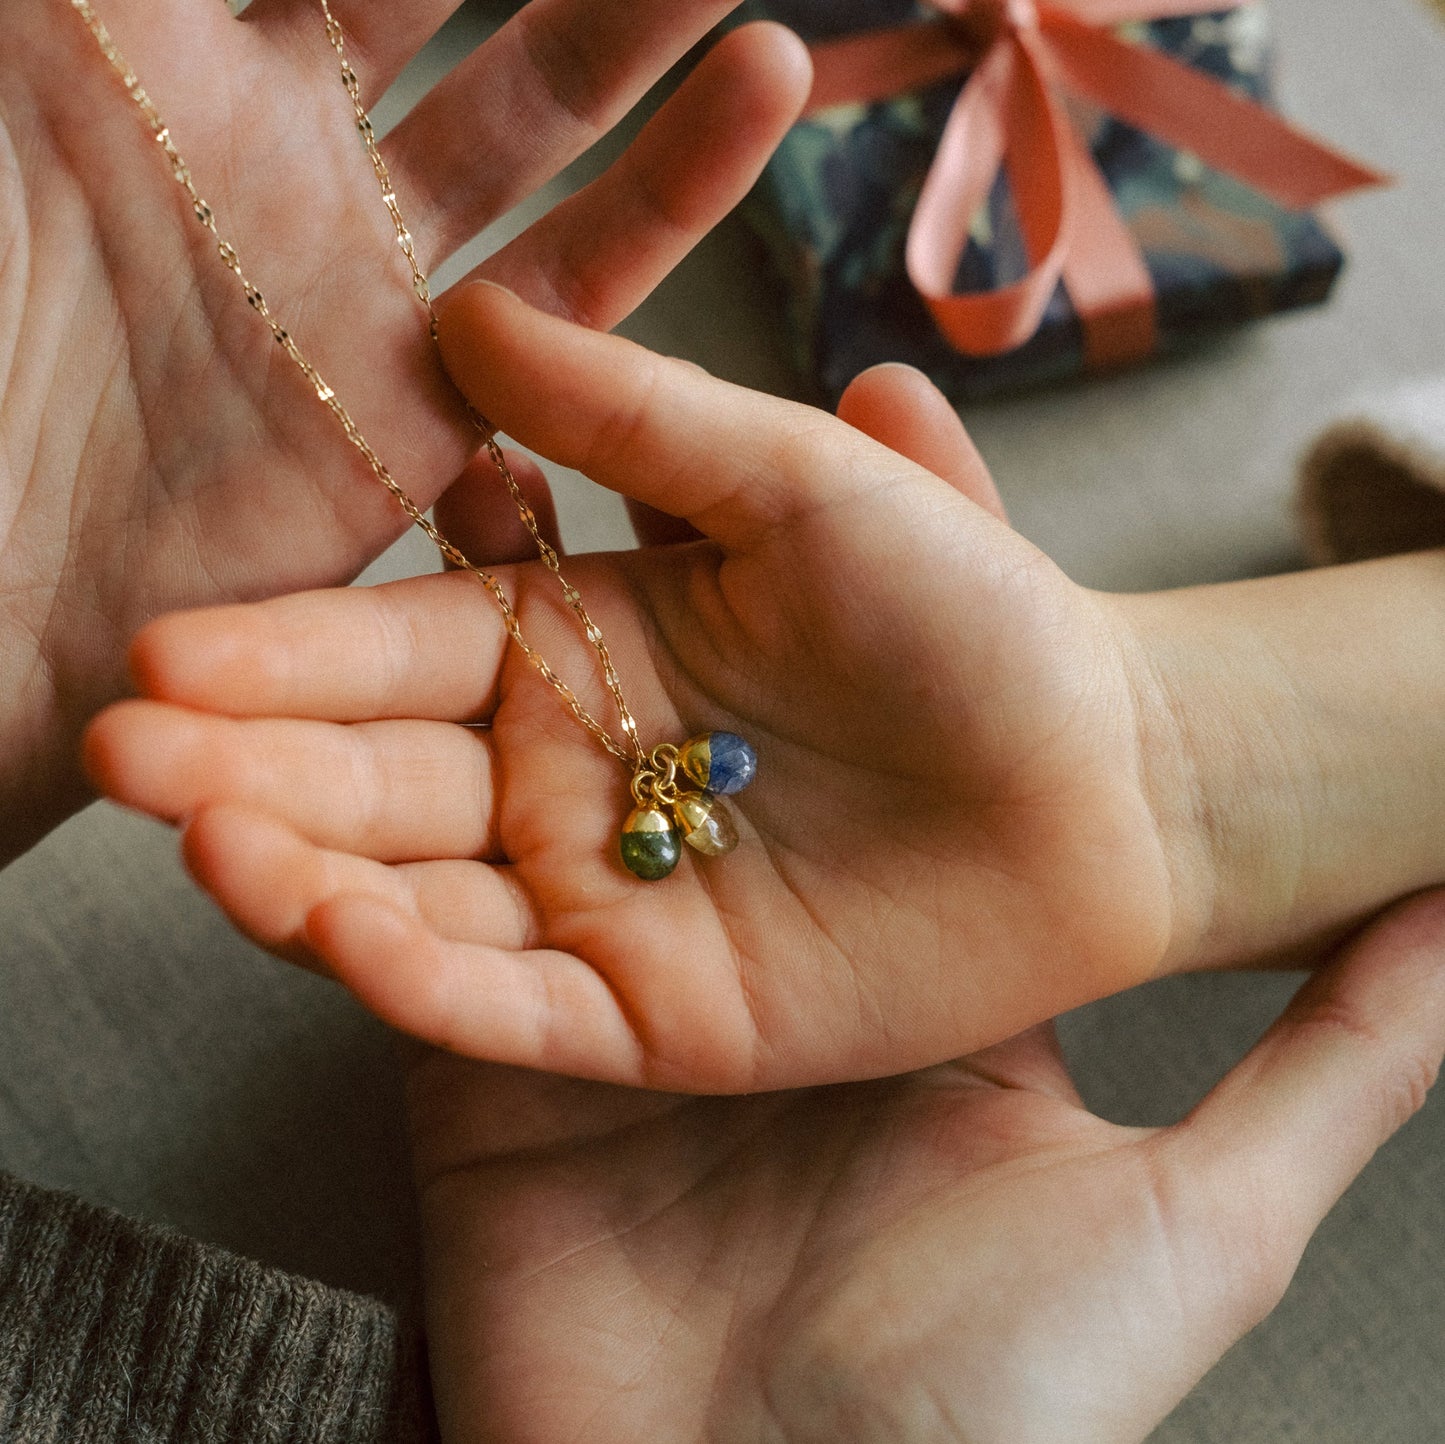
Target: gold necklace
{"type": "Point", "coordinates": [665, 812]}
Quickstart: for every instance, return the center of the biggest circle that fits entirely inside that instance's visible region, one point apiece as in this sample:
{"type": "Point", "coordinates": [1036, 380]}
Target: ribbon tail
{"type": "Point", "coordinates": [1006, 112]}
{"type": "Point", "coordinates": [1196, 113]}
{"type": "Point", "coordinates": [1121, 12]}
{"type": "Point", "coordinates": [1109, 284]}
{"type": "Point", "coordinates": [879, 64]}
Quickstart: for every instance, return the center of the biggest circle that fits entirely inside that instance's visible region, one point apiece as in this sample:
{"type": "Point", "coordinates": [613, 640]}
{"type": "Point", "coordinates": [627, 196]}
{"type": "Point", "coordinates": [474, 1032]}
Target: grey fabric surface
{"type": "Point", "coordinates": [151, 1060]}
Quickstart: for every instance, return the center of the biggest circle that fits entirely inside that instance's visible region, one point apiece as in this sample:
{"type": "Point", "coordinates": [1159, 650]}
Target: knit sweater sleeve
{"type": "Point", "coordinates": [118, 1332]}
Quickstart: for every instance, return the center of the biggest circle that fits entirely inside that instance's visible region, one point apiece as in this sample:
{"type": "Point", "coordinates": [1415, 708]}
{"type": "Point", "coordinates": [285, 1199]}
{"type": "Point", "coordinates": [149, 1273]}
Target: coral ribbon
{"type": "Point", "coordinates": [1010, 114]}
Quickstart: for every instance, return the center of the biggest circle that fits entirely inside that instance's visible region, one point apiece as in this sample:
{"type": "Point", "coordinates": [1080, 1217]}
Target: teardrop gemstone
{"type": "Point", "coordinates": [706, 823]}
{"type": "Point", "coordinates": [651, 846]}
{"type": "Point", "coordinates": [721, 762]}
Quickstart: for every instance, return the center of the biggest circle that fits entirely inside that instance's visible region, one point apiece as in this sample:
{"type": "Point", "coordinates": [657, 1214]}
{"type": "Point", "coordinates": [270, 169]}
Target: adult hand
{"type": "Point", "coordinates": [966, 1254]}
{"type": "Point", "coordinates": [156, 449]}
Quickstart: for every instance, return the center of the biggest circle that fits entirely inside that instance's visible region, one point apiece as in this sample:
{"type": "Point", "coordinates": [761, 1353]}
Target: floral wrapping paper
{"type": "Point", "coordinates": [834, 205]}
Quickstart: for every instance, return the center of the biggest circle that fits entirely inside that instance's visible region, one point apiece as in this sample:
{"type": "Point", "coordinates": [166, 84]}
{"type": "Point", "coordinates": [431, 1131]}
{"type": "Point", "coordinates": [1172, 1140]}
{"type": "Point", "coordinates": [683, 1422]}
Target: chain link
{"type": "Point", "coordinates": [654, 779]}
{"type": "Point", "coordinates": [633, 753]}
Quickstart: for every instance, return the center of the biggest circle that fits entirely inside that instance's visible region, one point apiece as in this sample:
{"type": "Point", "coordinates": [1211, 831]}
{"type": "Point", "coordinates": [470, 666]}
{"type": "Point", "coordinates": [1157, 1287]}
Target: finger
{"type": "Point", "coordinates": [268, 880]}
{"type": "Point", "coordinates": [479, 515]}
{"type": "Point", "coordinates": [425, 647]}
{"type": "Point", "coordinates": [900, 407]}
{"type": "Point", "coordinates": [597, 255]}
{"type": "Point", "coordinates": [733, 462]}
{"type": "Point", "coordinates": [537, 1009]}
{"type": "Point", "coordinates": [380, 38]}
{"type": "Point", "coordinates": [392, 791]}
{"type": "Point", "coordinates": [1350, 1060]}
{"type": "Point", "coordinates": [551, 82]}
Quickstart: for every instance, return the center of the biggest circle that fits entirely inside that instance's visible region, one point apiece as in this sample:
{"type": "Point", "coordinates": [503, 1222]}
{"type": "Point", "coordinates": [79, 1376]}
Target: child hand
{"type": "Point", "coordinates": [985, 794]}
{"type": "Point", "coordinates": [949, 839]}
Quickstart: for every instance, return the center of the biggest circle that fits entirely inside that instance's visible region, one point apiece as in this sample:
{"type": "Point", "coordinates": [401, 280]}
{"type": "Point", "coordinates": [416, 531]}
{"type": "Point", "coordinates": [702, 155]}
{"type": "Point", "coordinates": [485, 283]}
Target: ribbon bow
{"type": "Point", "coordinates": [1022, 55]}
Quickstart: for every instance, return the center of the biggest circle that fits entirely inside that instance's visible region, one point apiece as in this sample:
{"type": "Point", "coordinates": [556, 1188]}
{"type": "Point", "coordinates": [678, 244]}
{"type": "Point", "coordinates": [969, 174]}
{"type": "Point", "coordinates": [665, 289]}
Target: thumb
{"type": "Point", "coordinates": [733, 462]}
{"type": "Point", "coordinates": [1271, 1149]}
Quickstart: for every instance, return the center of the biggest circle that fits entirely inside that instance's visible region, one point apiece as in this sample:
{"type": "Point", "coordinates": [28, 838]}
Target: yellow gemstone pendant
{"type": "Point", "coordinates": [705, 823]}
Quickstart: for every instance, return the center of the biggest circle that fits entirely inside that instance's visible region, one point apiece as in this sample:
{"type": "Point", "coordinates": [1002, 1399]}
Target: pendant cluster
{"type": "Point", "coordinates": [718, 764]}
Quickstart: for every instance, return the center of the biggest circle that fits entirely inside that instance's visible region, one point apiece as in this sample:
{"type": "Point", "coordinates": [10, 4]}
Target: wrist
{"type": "Point", "coordinates": [1292, 732]}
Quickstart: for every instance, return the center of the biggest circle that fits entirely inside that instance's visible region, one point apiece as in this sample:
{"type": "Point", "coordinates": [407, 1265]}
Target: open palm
{"type": "Point", "coordinates": [158, 450]}
{"type": "Point", "coordinates": [966, 1254]}
{"type": "Point", "coordinates": [949, 840]}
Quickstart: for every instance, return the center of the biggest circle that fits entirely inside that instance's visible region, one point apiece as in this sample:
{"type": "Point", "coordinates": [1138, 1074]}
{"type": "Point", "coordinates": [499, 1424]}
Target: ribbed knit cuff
{"type": "Point", "coordinates": [114, 1330]}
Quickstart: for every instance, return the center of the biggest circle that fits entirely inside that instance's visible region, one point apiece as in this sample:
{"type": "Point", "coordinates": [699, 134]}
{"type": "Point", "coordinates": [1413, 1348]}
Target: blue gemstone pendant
{"type": "Point", "coordinates": [719, 762]}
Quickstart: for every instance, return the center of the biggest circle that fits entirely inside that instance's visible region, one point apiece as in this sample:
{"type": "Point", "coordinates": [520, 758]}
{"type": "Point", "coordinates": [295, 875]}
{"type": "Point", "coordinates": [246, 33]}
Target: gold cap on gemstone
{"type": "Point", "coordinates": [650, 844]}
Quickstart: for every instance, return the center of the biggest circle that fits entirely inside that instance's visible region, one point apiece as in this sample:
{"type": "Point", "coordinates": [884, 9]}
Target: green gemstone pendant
{"type": "Point", "coordinates": [651, 846]}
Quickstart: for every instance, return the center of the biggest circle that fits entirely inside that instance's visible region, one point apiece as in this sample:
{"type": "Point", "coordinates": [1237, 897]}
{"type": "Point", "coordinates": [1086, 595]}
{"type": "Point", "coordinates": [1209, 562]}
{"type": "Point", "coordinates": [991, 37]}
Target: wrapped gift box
{"type": "Point", "coordinates": [835, 203]}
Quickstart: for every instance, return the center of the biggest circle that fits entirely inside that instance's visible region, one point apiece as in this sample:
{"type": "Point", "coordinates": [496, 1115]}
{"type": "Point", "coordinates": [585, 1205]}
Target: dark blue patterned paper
{"type": "Point", "coordinates": [835, 203]}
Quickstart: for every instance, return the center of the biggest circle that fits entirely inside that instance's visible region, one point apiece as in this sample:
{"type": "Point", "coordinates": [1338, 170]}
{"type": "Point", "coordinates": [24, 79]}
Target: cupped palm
{"type": "Point", "coordinates": [965, 1254]}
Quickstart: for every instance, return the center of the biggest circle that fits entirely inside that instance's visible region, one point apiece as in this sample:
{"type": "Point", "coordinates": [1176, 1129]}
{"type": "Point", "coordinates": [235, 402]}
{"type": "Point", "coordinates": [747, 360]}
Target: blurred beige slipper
{"type": "Point", "coordinates": [1374, 482]}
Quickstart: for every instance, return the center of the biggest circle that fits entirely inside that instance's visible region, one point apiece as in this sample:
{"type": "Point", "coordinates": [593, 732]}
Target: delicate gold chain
{"type": "Point", "coordinates": [633, 753]}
